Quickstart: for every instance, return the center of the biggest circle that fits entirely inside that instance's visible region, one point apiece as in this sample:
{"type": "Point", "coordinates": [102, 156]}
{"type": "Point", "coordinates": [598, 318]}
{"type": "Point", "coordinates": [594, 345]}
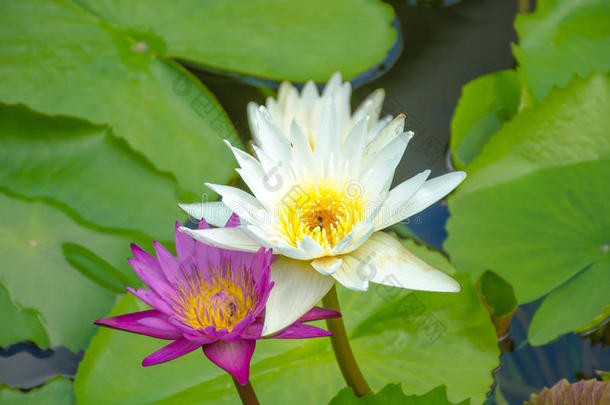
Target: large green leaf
{"type": "Point", "coordinates": [60, 59]}
{"type": "Point", "coordinates": [18, 323]}
{"type": "Point", "coordinates": [275, 39]}
{"type": "Point", "coordinates": [34, 241]}
{"type": "Point", "coordinates": [56, 392]}
{"type": "Point", "coordinates": [392, 394]}
{"type": "Point", "coordinates": [486, 103]}
{"type": "Point", "coordinates": [555, 318]}
{"type": "Point", "coordinates": [86, 169]}
{"type": "Point", "coordinates": [562, 38]}
{"type": "Point", "coordinates": [535, 207]}
{"type": "Point", "coordinates": [419, 339]}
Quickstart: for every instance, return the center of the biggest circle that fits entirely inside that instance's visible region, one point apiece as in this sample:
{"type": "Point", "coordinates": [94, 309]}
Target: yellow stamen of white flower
{"type": "Point", "coordinates": [323, 212]}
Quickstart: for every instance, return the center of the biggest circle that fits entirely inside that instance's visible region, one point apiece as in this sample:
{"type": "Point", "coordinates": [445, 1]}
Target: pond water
{"type": "Point", "coordinates": [443, 48]}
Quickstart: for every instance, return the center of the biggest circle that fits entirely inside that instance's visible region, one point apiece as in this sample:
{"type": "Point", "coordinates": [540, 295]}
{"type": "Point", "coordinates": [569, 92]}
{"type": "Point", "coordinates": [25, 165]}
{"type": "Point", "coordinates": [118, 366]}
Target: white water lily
{"type": "Point", "coordinates": [320, 187]}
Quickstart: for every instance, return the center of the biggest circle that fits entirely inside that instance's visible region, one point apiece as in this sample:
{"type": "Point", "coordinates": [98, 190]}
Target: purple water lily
{"type": "Point", "coordinates": [207, 297]}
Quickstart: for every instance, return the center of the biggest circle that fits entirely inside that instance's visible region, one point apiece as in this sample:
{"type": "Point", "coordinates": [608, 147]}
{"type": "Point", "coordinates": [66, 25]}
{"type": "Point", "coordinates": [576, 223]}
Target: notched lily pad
{"type": "Point", "coordinates": [526, 212]}
{"type": "Point", "coordinates": [392, 394]}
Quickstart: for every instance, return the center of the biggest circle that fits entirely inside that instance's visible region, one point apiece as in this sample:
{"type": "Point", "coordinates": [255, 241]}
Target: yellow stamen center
{"type": "Point", "coordinates": [220, 301]}
{"type": "Point", "coordinates": [326, 214]}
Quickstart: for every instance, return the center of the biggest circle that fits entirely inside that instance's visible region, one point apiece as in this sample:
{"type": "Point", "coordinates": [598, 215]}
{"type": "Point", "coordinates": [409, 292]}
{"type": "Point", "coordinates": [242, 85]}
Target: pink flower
{"type": "Point", "coordinates": [207, 297]}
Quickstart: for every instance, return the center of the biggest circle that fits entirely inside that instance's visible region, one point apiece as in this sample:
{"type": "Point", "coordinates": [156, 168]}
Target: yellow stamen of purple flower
{"type": "Point", "coordinates": [222, 301]}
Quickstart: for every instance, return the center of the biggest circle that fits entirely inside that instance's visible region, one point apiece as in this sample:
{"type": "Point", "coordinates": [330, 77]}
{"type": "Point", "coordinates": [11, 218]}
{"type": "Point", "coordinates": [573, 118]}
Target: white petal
{"type": "Point", "coordinates": [376, 127]}
{"type": "Point", "coordinates": [328, 136]}
{"type": "Point", "coordinates": [379, 173]}
{"type": "Point", "coordinates": [371, 106]}
{"type": "Point", "coordinates": [333, 85]}
{"type": "Point", "coordinates": [261, 188]}
{"type": "Point", "coordinates": [356, 237]}
{"type": "Point", "coordinates": [385, 260]}
{"type": "Point", "coordinates": [226, 238]}
{"type": "Point", "coordinates": [298, 287]}
{"type": "Point", "coordinates": [432, 191]}
{"type": "Point", "coordinates": [215, 213]}
{"type": "Point", "coordinates": [327, 265]}
{"type": "Point", "coordinates": [391, 211]}
{"type": "Point", "coordinates": [306, 249]}
{"type": "Point", "coordinates": [246, 161]}
{"type": "Point", "coordinates": [285, 90]}
{"type": "Point", "coordinates": [270, 137]}
{"type": "Point", "coordinates": [353, 148]}
{"type": "Point", "coordinates": [241, 203]}
{"type": "Point", "coordinates": [302, 155]}
{"type": "Point", "coordinates": [350, 274]}
{"type": "Point", "coordinates": [387, 135]}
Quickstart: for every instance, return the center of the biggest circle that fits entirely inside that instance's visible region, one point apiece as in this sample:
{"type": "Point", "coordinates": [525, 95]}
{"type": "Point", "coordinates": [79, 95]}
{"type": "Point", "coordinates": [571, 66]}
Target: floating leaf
{"type": "Point", "coordinates": [589, 392]}
{"type": "Point", "coordinates": [526, 211]}
{"type": "Point", "coordinates": [41, 279]}
{"type": "Point", "coordinates": [416, 330]}
{"type": "Point", "coordinates": [19, 324]}
{"type": "Point", "coordinates": [560, 39]}
{"type": "Point", "coordinates": [499, 298]}
{"type": "Point", "coordinates": [392, 394]}
{"type": "Point", "coordinates": [270, 39]}
{"type": "Point", "coordinates": [548, 322]}
{"type": "Point", "coordinates": [55, 392]}
{"type": "Point", "coordinates": [486, 103]}
{"type": "Point", "coordinates": [85, 170]}
{"type": "Point", "coordinates": [60, 59]}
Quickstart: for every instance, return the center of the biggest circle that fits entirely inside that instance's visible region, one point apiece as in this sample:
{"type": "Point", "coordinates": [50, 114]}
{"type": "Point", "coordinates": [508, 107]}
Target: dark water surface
{"type": "Point", "coordinates": [444, 47]}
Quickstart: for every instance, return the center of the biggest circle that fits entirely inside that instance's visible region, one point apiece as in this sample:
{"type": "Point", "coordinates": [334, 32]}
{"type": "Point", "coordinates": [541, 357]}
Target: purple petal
{"type": "Point", "coordinates": [206, 256]}
{"type": "Point", "coordinates": [173, 350]}
{"type": "Point", "coordinates": [169, 264]}
{"type": "Point", "coordinates": [151, 323]}
{"type": "Point", "coordinates": [185, 246]}
{"type": "Point", "coordinates": [319, 313]}
{"type": "Point", "coordinates": [203, 224]}
{"type": "Point", "coordinates": [237, 331]}
{"type": "Point", "coordinates": [253, 331]}
{"type": "Point", "coordinates": [233, 221]}
{"type": "Point", "coordinates": [233, 357]}
{"type": "Point", "coordinates": [301, 331]}
{"type": "Point", "coordinates": [152, 299]}
{"type": "Point", "coordinates": [198, 337]}
{"type": "Point", "coordinates": [152, 277]}
{"type": "Point", "coordinates": [146, 258]}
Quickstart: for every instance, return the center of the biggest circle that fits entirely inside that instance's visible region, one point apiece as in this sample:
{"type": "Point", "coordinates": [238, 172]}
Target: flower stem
{"type": "Point", "coordinates": [246, 393]}
{"type": "Point", "coordinates": [343, 351]}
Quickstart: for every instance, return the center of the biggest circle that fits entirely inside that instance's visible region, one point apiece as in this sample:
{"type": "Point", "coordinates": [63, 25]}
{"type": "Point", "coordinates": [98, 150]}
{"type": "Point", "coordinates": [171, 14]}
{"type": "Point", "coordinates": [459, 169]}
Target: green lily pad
{"type": "Point", "coordinates": [562, 38]}
{"type": "Point", "coordinates": [486, 103]}
{"type": "Point", "coordinates": [548, 322]}
{"type": "Point", "coordinates": [534, 208]}
{"type": "Point", "coordinates": [60, 59]}
{"type": "Point", "coordinates": [58, 391]}
{"type": "Point", "coordinates": [86, 171]}
{"type": "Point", "coordinates": [392, 394]}
{"type": "Point", "coordinates": [19, 324]}
{"type": "Point", "coordinates": [499, 298]}
{"type": "Point", "coordinates": [65, 299]}
{"type": "Point", "coordinates": [419, 339]}
{"type": "Point", "coordinates": [273, 39]}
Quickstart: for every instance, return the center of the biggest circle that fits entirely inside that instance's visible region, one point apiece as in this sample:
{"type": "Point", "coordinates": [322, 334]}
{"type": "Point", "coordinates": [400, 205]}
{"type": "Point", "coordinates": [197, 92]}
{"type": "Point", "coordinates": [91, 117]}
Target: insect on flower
{"type": "Point", "coordinates": [207, 297]}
